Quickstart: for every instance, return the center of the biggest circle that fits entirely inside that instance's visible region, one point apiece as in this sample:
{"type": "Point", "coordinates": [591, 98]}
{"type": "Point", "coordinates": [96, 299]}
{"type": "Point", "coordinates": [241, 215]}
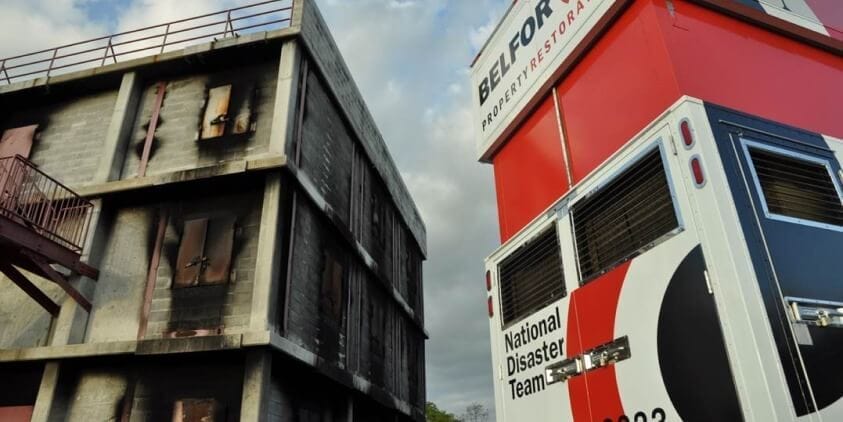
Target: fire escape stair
{"type": "Point", "coordinates": [33, 236]}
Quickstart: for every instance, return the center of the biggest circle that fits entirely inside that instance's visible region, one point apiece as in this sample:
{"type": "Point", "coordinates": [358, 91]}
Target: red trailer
{"type": "Point", "coordinates": [669, 195]}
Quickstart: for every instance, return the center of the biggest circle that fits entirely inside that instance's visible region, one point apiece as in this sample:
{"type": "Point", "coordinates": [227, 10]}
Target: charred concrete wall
{"type": "Point", "coordinates": [120, 289]}
{"type": "Point", "coordinates": [148, 390]}
{"type": "Point", "coordinates": [71, 132]}
{"type": "Point", "coordinates": [355, 268]}
{"type": "Point", "coordinates": [176, 145]}
{"type": "Point", "coordinates": [24, 323]}
{"type": "Point", "coordinates": [269, 264]}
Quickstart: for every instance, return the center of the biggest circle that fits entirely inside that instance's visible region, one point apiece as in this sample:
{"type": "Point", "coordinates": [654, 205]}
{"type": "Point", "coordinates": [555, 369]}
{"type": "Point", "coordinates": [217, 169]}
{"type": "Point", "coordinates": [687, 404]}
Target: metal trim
{"type": "Point", "coordinates": [747, 143]}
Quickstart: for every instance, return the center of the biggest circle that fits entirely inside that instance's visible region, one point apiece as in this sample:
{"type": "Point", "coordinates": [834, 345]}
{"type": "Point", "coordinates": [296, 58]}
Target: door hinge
{"type": "Point", "coordinates": [708, 283]}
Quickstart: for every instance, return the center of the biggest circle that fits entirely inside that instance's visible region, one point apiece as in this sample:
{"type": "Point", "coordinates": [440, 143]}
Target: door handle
{"type": "Point", "coordinates": [818, 313]}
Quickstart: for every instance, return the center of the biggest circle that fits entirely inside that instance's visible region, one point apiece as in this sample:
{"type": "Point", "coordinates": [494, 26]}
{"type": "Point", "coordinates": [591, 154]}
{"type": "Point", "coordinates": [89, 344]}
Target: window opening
{"type": "Point", "coordinates": [795, 187]}
{"type": "Point", "coordinates": [531, 277]}
{"type": "Point", "coordinates": [205, 251]}
{"type": "Point", "coordinates": [624, 217]}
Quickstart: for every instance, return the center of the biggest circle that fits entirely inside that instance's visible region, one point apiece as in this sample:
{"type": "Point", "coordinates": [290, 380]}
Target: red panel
{"type": "Point", "coordinates": [577, 387]}
{"type": "Point", "coordinates": [16, 413]}
{"type": "Point", "coordinates": [621, 85]}
{"type": "Point", "coordinates": [737, 65]}
{"type": "Point", "coordinates": [530, 170]}
{"type": "Point", "coordinates": [595, 306]}
{"type": "Point", "coordinates": [830, 14]}
{"type": "Point", "coordinates": [17, 141]}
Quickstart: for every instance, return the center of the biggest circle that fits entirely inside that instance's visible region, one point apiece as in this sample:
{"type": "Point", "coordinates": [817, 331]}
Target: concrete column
{"type": "Point", "coordinates": [71, 324]}
{"type": "Point", "coordinates": [119, 130]}
{"type": "Point", "coordinates": [265, 293]}
{"type": "Point", "coordinates": [47, 393]}
{"type": "Point", "coordinates": [256, 383]}
{"type": "Point", "coordinates": [286, 98]}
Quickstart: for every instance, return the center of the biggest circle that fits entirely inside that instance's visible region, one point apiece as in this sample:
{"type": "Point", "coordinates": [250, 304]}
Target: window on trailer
{"type": "Point", "coordinates": [531, 277]}
{"type": "Point", "coordinates": [628, 214]}
{"type": "Point", "coordinates": [801, 189]}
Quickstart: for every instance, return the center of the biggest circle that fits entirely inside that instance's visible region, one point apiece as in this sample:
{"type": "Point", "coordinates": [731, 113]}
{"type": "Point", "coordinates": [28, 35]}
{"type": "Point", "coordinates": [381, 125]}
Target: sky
{"type": "Point", "coordinates": [411, 60]}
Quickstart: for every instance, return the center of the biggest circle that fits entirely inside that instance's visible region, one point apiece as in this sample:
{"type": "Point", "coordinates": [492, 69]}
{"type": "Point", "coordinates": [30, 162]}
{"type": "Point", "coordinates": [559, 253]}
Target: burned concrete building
{"type": "Point", "coordinates": [201, 221]}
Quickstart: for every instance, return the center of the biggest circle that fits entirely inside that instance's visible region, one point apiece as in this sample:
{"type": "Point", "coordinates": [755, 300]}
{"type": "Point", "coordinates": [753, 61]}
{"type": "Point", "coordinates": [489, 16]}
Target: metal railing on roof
{"type": "Point", "coordinates": [263, 16]}
{"type": "Point", "coordinates": [36, 200]}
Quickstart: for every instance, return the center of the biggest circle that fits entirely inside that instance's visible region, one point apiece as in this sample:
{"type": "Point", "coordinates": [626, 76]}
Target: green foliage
{"type": "Point", "coordinates": [433, 414]}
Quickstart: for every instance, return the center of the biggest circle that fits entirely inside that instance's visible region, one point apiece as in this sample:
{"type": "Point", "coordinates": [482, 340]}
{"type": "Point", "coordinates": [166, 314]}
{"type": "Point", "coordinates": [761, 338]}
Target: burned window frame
{"type": "Point", "coordinates": [233, 122]}
{"type": "Point", "coordinates": [748, 144]}
{"type": "Point", "coordinates": [221, 227]}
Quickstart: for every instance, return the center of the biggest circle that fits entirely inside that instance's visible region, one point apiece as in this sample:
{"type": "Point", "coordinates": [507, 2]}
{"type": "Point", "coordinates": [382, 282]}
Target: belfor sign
{"type": "Point", "coordinates": [534, 39]}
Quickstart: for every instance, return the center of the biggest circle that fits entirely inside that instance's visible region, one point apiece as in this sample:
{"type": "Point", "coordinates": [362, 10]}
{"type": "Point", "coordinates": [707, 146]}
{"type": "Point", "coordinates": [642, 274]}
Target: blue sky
{"type": "Point", "coordinates": [410, 59]}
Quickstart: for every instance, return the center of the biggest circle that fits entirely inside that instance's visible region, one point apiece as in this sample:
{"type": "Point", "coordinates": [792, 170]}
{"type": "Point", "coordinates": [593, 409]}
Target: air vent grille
{"type": "Point", "coordinates": [797, 188]}
{"type": "Point", "coordinates": [631, 212]}
{"type": "Point", "coordinates": [531, 277]}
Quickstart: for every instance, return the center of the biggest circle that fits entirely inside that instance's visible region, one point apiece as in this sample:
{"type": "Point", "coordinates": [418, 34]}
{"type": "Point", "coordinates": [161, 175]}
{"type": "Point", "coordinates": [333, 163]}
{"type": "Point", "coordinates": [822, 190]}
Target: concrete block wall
{"type": "Point", "coordinates": [205, 307]}
{"type": "Point", "coordinates": [72, 133]}
{"type": "Point", "coordinates": [297, 394]}
{"type": "Point", "coordinates": [23, 322]}
{"type": "Point", "coordinates": [175, 146]}
{"type": "Point", "coordinates": [119, 294]}
{"type": "Point", "coordinates": [93, 394]}
{"type": "Point", "coordinates": [97, 390]}
{"type": "Point", "coordinates": [313, 239]}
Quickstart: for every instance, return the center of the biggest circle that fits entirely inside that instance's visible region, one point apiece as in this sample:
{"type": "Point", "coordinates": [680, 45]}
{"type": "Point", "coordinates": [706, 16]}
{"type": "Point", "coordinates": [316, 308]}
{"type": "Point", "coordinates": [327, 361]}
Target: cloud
{"type": "Point", "coordinates": [38, 24]}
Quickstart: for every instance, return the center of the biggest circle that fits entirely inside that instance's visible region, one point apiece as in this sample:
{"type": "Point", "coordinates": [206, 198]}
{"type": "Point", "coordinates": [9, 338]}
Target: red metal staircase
{"type": "Point", "coordinates": [43, 227]}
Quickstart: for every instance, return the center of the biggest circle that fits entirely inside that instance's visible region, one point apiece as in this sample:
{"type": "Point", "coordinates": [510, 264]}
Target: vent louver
{"type": "Point", "coordinates": [615, 223]}
{"type": "Point", "coordinates": [531, 277]}
{"type": "Point", "coordinates": [797, 188]}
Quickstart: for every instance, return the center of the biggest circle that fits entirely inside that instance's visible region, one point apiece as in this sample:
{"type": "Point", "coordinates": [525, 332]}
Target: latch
{"type": "Point", "coordinates": [202, 262]}
{"type": "Point", "coordinates": [562, 371]}
{"type": "Point", "coordinates": [818, 313]}
{"type": "Point", "coordinates": [607, 354]}
{"type": "Point", "coordinates": [221, 119]}
{"type": "Point", "coordinates": [599, 357]}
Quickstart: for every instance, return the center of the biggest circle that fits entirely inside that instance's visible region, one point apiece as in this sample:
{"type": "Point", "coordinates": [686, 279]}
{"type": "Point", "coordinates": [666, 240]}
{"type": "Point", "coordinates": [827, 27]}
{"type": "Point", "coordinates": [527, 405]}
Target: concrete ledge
{"type": "Point", "coordinates": [188, 345]}
{"type": "Point", "coordinates": [208, 344]}
{"type": "Point", "coordinates": [225, 169]}
{"type": "Point", "coordinates": [69, 351]}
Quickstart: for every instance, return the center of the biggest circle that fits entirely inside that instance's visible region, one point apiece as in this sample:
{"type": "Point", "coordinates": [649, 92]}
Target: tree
{"type": "Point", "coordinates": [433, 414]}
{"type": "Point", "coordinates": [475, 412]}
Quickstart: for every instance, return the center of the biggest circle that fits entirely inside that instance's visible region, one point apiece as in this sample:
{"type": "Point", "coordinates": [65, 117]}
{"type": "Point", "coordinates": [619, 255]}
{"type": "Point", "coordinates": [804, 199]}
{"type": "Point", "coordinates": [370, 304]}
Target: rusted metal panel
{"type": "Point", "coordinates": [216, 112]}
{"type": "Point", "coordinates": [191, 259]}
{"type": "Point", "coordinates": [152, 273]}
{"type": "Point", "coordinates": [219, 246]}
{"type": "Point", "coordinates": [197, 410]}
{"type": "Point", "coordinates": [17, 141]}
{"type": "Point", "coordinates": [332, 287]}
{"type": "Point", "coordinates": [153, 126]}
{"type": "Point", "coordinates": [16, 413]}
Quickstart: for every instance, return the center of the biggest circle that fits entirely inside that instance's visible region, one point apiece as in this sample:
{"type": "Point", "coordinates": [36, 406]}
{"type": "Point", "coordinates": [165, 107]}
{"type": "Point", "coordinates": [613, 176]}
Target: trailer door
{"type": "Point", "coordinates": [787, 190]}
